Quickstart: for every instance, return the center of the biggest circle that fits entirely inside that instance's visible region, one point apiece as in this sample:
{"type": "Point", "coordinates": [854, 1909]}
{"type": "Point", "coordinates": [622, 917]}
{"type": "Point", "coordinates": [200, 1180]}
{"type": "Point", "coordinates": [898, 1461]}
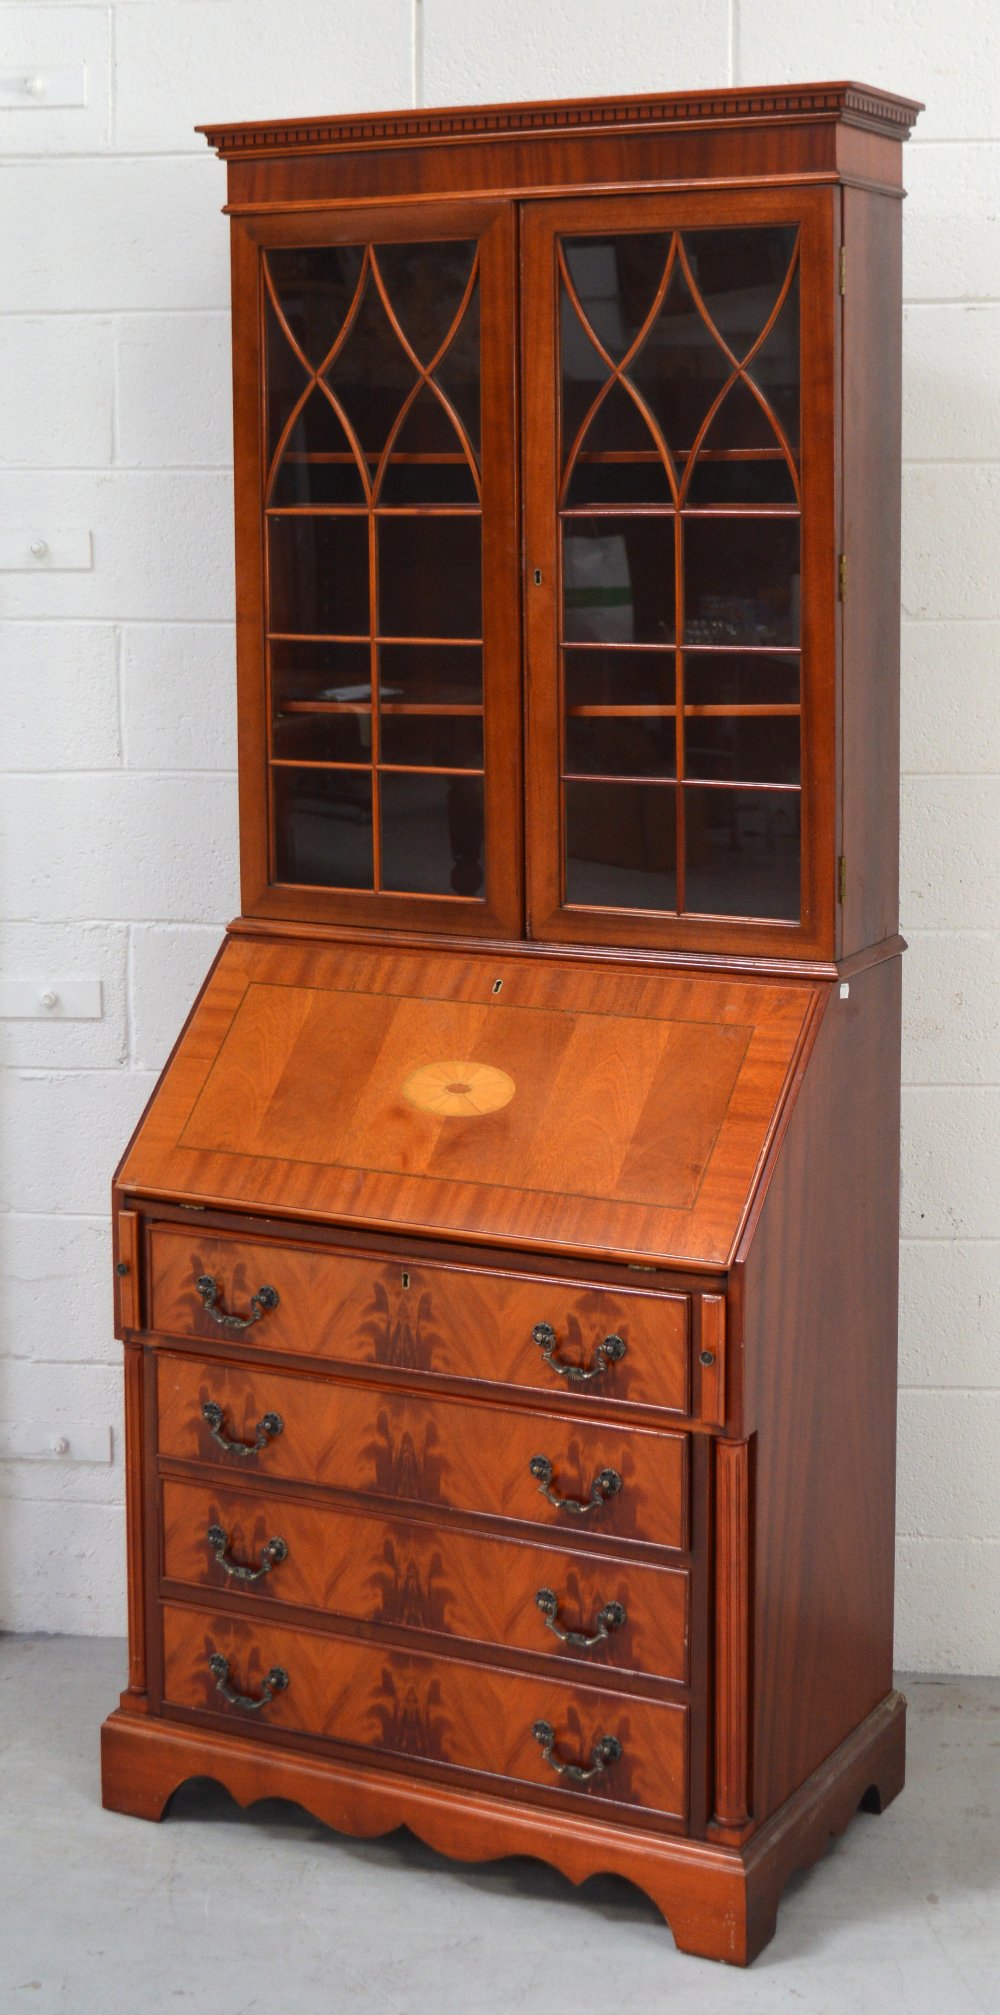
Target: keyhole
{"type": "Point", "coordinates": [538, 577]}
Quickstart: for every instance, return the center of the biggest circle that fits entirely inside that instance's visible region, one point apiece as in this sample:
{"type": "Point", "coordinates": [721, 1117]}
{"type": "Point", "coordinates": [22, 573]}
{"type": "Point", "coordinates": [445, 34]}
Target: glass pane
{"type": "Point", "coordinates": [619, 428]}
{"type": "Point", "coordinates": [740, 679]}
{"type": "Point", "coordinates": [428, 430]}
{"type": "Point", "coordinates": [583, 370]}
{"type": "Point", "coordinates": [430, 572]}
{"type": "Point", "coordinates": [305, 671]}
{"type": "Point", "coordinates": [372, 374]}
{"type": "Point", "coordinates": [432, 834]}
{"type": "Point", "coordinates": [618, 678]}
{"type": "Point", "coordinates": [425, 285]}
{"type": "Point", "coordinates": [762, 479]}
{"type": "Point", "coordinates": [623, 481]}
{"type": "Point", "coordinates": [315, 285]}
{"type": "Point", "coordinates": [776, 367]}
{"type": "Point", "coordinates": [743, 750]}
{"type": "Point", "coordinates": [741, 580]}
{"type": "Point", "coordinates": [741, 427]}
{"type": "Point", "coordinates": [459, 373]}
{"type": "Point", "coordinates": [431, 675]}
{"type": "Point", "coordinates": [680, 368]}
{"type": "Point", "coordinates": [319, 575]}
{"type": "Point", "coordinates": [621, 845]}
{"type": "Point", "coordinates": [616, 280]}
{"type": "Point", "coordinates": [287, 377]}
{"type": "Point", "coordinates": [739, 274]}
{"type": "Point", "coordinates": [323, 827]}
{"type": "Point", "coordinates": [323, 737]}
{"type": "Point", "coordinates": [433, 741]}
{"type": "Point", "coordinates": [640, 747]}
{"type": "Point", "coordinates": [618, 579]}
{"type": "Point", "coordinates": [742, 852]}
{"type": "Point", "coordinates": [318, 464]}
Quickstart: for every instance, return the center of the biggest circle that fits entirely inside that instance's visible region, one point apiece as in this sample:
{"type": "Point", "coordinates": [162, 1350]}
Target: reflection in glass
{"type": "Point", "coordinates": [433, 741]}
{"type": "Point", "coordinates": [640, 747]}
{"type": "Point", "coordinates": [748, 749]}
{"type": "Point", "coordinates": [319, 575]}
{"type": "Point", "coordinates": [597, 678]}
{"type": "Point", "coordinates": [432, 834]}
{"type": "Point", "coordinates": [621, 845]}
{"type": "Point", "coordinates": [430, 577]}
{"type": "Point", "coordinates": [741, 580]}
{"type": "Point", "coordinates": [323, 827]}
{"type": "Point", "coordinates": [431, 674]}
{"type": "Point", "coordinates": [742, 852]}
{"type": "Point", "coordinates": [618, 579]}
{"type": "Point", "coordinates": [615, 280]}
{"type": "Point", "coordinates": [305, 671]}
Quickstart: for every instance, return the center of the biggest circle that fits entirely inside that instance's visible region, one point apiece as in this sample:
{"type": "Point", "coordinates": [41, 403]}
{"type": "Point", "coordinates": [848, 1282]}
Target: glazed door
{"type": "Point", "coordinates": [681, 569]}
{"type": "Point", "coordinates": [377, 567]}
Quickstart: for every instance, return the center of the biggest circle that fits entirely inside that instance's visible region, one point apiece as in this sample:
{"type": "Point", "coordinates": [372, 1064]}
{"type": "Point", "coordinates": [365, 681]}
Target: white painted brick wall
{"type": "Point", "coordinates": [117, 730]}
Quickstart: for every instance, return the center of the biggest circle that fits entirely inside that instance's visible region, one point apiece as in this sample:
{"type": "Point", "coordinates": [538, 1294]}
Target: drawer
{"type": "Point", "coordinates": [446, 1321]}
{"type": "Point", "coordinates": [461, 1455]}
{"type": "Point", "coordinates": [429, 1576]}
{"type": "Point", "coordinates": [442, 1711]}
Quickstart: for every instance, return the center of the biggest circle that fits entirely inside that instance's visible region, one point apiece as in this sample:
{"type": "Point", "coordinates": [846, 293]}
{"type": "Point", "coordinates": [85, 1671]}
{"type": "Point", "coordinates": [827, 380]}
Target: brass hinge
{"type": "Point", "coordinates": [842, 577]}
{"type": "Point", "coordinates": [843, 269]}
{"type": "Point", "coordinates": [842, 879]}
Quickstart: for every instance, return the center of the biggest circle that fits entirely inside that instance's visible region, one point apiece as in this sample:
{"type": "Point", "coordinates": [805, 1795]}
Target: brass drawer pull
{"type": "Point", "coordinates": [611, 1351]}
{"type": "Point", "coordinates": [267, 1428]}
{"type": "Point", "coordinates": [275, 1551]}
{"type": "Point", "coordinates": [265, 1298]}
{"type": "Point", "coordinates": [607, 1483]}
{"type": "Point", "coordinates": [275, 1682]}
{"type": "Point", "coordinates": [610, 1618]}
{"type": "Point", "coordinates": [607, 1749]}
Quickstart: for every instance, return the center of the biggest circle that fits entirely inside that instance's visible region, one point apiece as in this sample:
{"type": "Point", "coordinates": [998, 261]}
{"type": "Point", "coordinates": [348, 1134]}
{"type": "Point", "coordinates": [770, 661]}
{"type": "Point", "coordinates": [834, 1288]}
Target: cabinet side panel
{"type": "Point", "coordinates": [820, 1340]}
{"type": "Point", "coordinates": [871, 480]}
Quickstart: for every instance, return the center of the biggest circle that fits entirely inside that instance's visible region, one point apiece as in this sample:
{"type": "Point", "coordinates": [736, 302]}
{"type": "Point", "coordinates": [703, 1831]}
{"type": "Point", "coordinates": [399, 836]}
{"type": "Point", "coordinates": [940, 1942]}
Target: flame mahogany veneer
{"type": "Point", "coordinates": [507, 1270]}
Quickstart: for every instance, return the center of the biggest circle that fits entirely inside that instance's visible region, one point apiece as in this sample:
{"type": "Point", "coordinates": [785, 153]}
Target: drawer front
{"type": "Point", "coordinates": [413, 1705]}
{"type": "Point", "coordinates": [431, 1577]}
{"type": "Point", "coordinates": [452, 1322]}
{"type": "Point", "coordinates": [459, 1455]}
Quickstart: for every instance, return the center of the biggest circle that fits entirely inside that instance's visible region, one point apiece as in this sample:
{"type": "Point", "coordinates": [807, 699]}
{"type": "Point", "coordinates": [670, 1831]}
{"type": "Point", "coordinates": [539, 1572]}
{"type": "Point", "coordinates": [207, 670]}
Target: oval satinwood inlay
{"type": "Point", "coordinates": [459, 1090]}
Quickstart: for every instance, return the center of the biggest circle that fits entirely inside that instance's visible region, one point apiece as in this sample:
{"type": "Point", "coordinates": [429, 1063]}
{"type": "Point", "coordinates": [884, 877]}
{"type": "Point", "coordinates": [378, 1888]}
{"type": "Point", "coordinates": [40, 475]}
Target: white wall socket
{"type": "Point", "coordinates": [44, 551]}
{"type": "Point", "coordinates": [45, 1441]}
{"type": "Point", "coordinates": [50, 1000]}
{"type": "Point", "coordinates": [38, 87]}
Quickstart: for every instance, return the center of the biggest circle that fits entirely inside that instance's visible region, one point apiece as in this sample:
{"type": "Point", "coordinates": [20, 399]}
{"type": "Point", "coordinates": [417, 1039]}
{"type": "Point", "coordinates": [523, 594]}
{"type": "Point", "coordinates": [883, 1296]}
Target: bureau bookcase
{"type": "Point", "coordinates": [506, 1260]}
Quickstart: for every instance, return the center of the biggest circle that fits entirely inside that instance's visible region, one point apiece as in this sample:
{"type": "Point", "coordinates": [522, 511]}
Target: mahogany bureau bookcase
{"type": "Point", "coordinates": [506, 1260]}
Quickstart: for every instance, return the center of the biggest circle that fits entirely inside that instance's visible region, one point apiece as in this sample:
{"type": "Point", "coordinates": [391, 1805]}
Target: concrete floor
{"type": "Point", "coordinates": [229, 1913]}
